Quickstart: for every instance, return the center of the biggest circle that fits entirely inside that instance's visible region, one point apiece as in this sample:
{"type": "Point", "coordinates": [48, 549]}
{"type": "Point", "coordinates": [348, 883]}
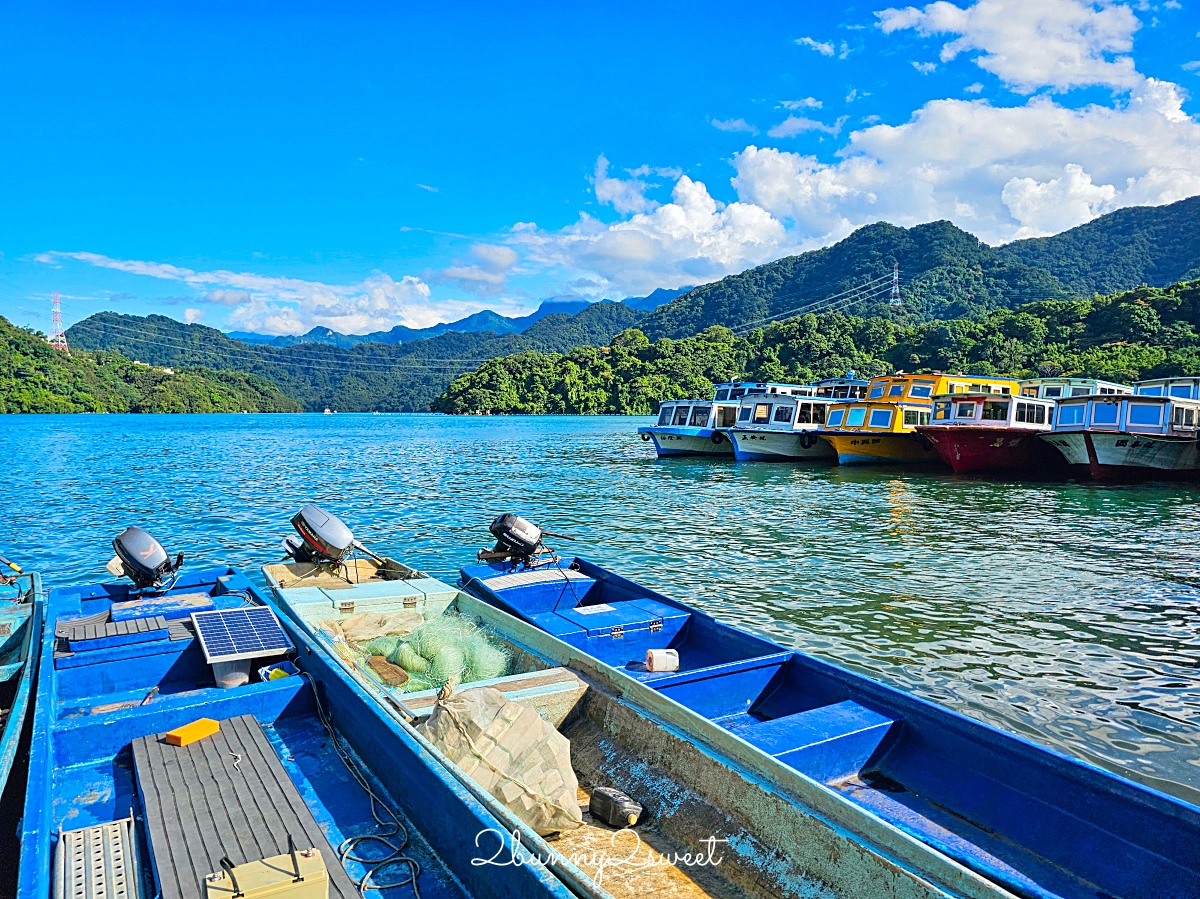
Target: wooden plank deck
{"type": "Point", "coordinates": [225, 795]}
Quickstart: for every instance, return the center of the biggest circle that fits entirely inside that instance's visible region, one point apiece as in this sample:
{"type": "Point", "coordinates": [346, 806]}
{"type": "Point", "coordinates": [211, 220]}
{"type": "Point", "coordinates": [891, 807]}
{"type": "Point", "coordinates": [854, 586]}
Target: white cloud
{"type": "Point", "coordinates": [1032, 44]}
{"type": "Point", "coordinates": [734, 125]}
{"type": "Point", "coordinates": [975, 88]}
{"type": "Point", "coordinates": [276, 305]}
{"type": "Point", "coordinates": [1193, 65]}
{"type": "Point", "coordinates": [824, 48]}
{"type": "Point", "coordinates": [427, 187]}
{"type": "Point", "coordinates": [191, 316]}
{"type": "Point", "coordinates": [793, 125]}
{"type": "Point", "coordinates": [486, 274]}
{"type": "Point", "coordinates": [625, 196]}
{"type": "Point", "coordinates": [805, 103]}
{"type": "Point", "coordinates": [925, 68]}
{"type": "Point", "coordinates": [692, 239]}
{"type": "Point", "coordinates": [1009, 165]}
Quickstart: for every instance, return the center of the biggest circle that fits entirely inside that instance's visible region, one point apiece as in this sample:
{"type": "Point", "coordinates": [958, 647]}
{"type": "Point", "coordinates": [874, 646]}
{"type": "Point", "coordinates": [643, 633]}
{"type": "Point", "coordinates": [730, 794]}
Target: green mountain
{"type": "Point", "coordinates": [35, 377]}
{"type": "Point", "coordinates": [1146, 332]}
{"type": "Point", "coordinates": [945, 273]}
{"type": "Point", "coordinates": [365, 377]}
{"type": "Point", "coordinates": [1153, 245]}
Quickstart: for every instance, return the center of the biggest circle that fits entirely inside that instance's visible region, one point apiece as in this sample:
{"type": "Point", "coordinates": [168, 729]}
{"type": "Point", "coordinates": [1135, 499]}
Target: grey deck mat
{"type": "Point", "coordinates": [199, 807]}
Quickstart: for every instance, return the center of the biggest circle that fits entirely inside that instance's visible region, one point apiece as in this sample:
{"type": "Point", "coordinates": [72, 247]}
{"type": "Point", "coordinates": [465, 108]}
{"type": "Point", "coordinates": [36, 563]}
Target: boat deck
{"type": "Point", "coordinates": [226, 796]}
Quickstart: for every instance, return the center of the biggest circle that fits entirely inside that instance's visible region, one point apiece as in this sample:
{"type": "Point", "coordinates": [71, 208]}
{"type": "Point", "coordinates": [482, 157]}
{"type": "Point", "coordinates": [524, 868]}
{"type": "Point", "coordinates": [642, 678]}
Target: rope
{"type": "Point", "coordinates": [346, 850]}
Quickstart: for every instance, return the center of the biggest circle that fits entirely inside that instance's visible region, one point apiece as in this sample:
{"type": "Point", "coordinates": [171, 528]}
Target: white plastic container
{"type": "Point", "coordinates": [662, 660]}
{"type": "Point", "coordinates": [231, 674]}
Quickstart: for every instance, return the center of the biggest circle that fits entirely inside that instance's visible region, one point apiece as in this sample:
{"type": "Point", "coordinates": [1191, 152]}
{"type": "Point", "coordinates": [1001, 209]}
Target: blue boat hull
{"type": "Point", "coordinates": [1034, 822]}
{"type": "Point", "coordinates": [89, 712]}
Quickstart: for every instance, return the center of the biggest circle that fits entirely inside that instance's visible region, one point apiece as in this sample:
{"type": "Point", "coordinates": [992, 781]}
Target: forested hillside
{"type": "Point", "coordinates": [366, 377]}
{"type": "Point", "coordinates": [1153, 245]}
{"type": "Point", "coordinates": [35, 377]}
{"type": "Point", "coordinates": [1140, 333]}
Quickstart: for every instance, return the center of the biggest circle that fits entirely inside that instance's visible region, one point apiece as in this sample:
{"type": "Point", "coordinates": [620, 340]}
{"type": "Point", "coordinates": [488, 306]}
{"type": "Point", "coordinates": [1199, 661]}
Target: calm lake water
{"type": "Point", "coordinates": [1066, 612]}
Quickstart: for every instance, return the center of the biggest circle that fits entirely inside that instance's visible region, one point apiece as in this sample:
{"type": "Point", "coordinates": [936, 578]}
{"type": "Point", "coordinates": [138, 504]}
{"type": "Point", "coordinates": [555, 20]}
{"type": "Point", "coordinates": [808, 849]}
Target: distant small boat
{"type": "Point", "coordinates": [328, 411]}
{"type": "Point", "coordinates": [986, 432]}
{"type": "Point", "coordinates": [21, 611]}
{"type": "Point", "coordinates": [1139, 436]}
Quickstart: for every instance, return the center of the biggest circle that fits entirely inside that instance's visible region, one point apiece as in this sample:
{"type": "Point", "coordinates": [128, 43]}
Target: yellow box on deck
{"type": "Point", "coordinates": [190, 733]}
{"type": "Point", "coordinates": [273, 877]}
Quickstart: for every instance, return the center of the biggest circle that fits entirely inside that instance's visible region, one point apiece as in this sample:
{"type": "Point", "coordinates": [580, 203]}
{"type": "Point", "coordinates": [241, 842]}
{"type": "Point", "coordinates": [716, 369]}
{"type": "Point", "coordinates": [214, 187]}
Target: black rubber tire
{"type": "Point", "coordinates": [717, 438]}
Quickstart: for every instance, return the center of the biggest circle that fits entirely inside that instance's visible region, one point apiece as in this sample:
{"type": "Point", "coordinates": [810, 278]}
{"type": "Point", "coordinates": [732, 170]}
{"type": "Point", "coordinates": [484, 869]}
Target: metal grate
{"type": "Point", "coordinates": [231, 634]}
{"type": "Point", "coordinates": [98, 862]}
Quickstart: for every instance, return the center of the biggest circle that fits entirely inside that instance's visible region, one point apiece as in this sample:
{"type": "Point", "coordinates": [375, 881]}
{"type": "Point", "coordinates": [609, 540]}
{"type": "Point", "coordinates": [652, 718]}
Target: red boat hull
{"type": "Point", "coordinates": [989, 449]}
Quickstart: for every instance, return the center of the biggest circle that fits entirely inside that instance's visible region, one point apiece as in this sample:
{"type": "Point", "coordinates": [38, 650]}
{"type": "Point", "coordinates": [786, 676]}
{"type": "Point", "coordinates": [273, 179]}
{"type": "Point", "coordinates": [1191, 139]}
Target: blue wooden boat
{"type": "Point", "coordinates": [303, 773]}
{"type": "Point", "coordinates": [775, 830]}
{"type": "Point", "coordinates": [21, 603]}
{"type": "Point", "coordinates": [1033, 822]}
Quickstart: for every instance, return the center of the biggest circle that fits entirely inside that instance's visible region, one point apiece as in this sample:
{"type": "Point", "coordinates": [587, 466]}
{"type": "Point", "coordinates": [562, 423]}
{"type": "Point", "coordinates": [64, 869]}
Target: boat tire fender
{"type": "Point", "coordinates": [717, 438]}
{"type": "Point", "coordinates": [645, 436]}
{"type": "Point", "coordinates": [808, 441]}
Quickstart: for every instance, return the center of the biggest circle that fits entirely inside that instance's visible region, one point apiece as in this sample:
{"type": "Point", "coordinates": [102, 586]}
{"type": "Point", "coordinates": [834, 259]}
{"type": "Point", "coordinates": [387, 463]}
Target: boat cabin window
{"type": "Point", "coordinates": [681, 415]}
{"type": "Point", "coordinates": [783, 413]}
{"type": "Point", "coordinates": [744, 413]}
{"type": "Point", "coordinates": [965, 410]}
{"type": "Point", "coordinates": [726, 416]}
{"type": "Point", "coordinates": [921, 389]}
{"type": "Point", "coordinates": [914, 417]}
{"type": "Point", "coordinates": [755, 391]}
{"type": "Point", "coordinates": [856, 418]}
{"type": "Point", "coordinates": [762, 413]}
{"type": "Point", "coordinates": [1029, 391]}
{"type": "Point", "coordinates": [1051, 392]}
{"type": "Point", "coordinates": [736, 394]}
{"type": "Point", "coordinates": [1183, 418]}
{"type": "Point", "coordinates": [896, 390]}
{"type": "Point", "coordinates": [835, 417]}
{"type": "Point", "coordinates": [1145, 414]}
{"type": "Point", "coordinates": [722, 395]}
{"type": "Point", "coordinates": [1182, 390]}
{"type": "Point", "coordinates": [876, 391]}
{"type": "Point", "coordinates": [1004, 390]}
{"type": "Point", "coordinates": [1080, 391]}
{"type": "Point", "coordinates": [941, 410]}
{"type": "Point", "coordinates": [1106, 390]}
{"type": "Point", "coordinates": [804, 414]}
{"type": "Point", "coordinates": [699, 416]}
{"type": "Point", "coordinates": [881, 418]}
{"type": "Point", "coordinates": [1032, 413]}
{"type": "Point", "coordinates": [818, 413]}
{"type": "Point", "coordinates": [1071, 415]}
{"type": "Point", "coordinates": [664, 415]}
{"type": "Point", "coordinates": [1105, 413]}
{"type": "Point", "coordinates": [1150, 391]}
{"type": "Point", "coordinates": [995, 411]}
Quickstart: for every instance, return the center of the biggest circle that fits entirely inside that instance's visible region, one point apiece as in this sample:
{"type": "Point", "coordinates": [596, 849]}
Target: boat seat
{"type": "Point", "coordinates": [224, 795]}
{"type": "Point", "coordinates": [830, 743]}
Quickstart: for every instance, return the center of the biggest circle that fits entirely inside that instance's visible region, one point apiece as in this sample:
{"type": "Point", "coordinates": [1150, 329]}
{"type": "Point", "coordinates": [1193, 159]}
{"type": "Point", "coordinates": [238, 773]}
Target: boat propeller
{"type": "Point", "coordinates": [143, 560]}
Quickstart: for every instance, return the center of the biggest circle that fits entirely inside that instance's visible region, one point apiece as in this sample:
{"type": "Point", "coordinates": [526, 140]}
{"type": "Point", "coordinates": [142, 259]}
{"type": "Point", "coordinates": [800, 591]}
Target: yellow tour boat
{"type": "Point", "coordinates": [881, 428]}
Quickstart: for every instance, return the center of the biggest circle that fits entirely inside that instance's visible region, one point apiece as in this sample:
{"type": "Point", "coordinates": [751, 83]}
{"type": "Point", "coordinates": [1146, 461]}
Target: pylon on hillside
{"type": "Point", "coordinates": [895, 299]}
{"type": "Point", "coordinates": [58, 337]}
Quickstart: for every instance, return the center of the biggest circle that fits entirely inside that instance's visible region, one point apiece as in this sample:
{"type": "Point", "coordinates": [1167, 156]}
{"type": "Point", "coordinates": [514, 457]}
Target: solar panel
{"type": "Point", "coordinates": [230, 634]}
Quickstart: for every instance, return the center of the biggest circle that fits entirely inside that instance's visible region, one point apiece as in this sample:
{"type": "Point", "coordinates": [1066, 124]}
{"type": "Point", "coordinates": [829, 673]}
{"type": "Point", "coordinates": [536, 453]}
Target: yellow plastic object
{"type": "Point", "coordinates": [190, 733]}
{"type": "Point", "coordinates": [273, 877]}
{"type": "Point", "coordinates": [278, 674]}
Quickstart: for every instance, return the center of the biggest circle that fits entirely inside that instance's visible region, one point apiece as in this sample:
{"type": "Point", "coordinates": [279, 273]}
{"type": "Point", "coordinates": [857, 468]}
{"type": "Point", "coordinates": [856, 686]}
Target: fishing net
{"type": "Point", "coordinates": [366, 625]}
{"type": "Point", "coordinates": [510, 751]}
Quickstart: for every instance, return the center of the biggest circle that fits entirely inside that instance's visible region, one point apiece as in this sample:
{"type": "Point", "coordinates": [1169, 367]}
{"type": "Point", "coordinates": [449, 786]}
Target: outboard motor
{"type": "Point", "coordinates": [514, 533]}
{"type": "Point", "coordinates": [518, 539]}
{"type": "Point", "coordinates": [324, 537]}
{"type": "Point", "coordinates": [143, 560]}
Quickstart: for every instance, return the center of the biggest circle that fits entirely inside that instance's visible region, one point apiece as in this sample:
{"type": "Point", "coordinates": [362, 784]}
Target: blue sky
{"type": "Point", "coordinates": [276, 167]}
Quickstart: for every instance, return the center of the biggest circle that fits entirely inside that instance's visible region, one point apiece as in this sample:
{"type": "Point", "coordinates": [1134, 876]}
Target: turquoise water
{"type": "Point", "coordinates": [1069, 613]}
